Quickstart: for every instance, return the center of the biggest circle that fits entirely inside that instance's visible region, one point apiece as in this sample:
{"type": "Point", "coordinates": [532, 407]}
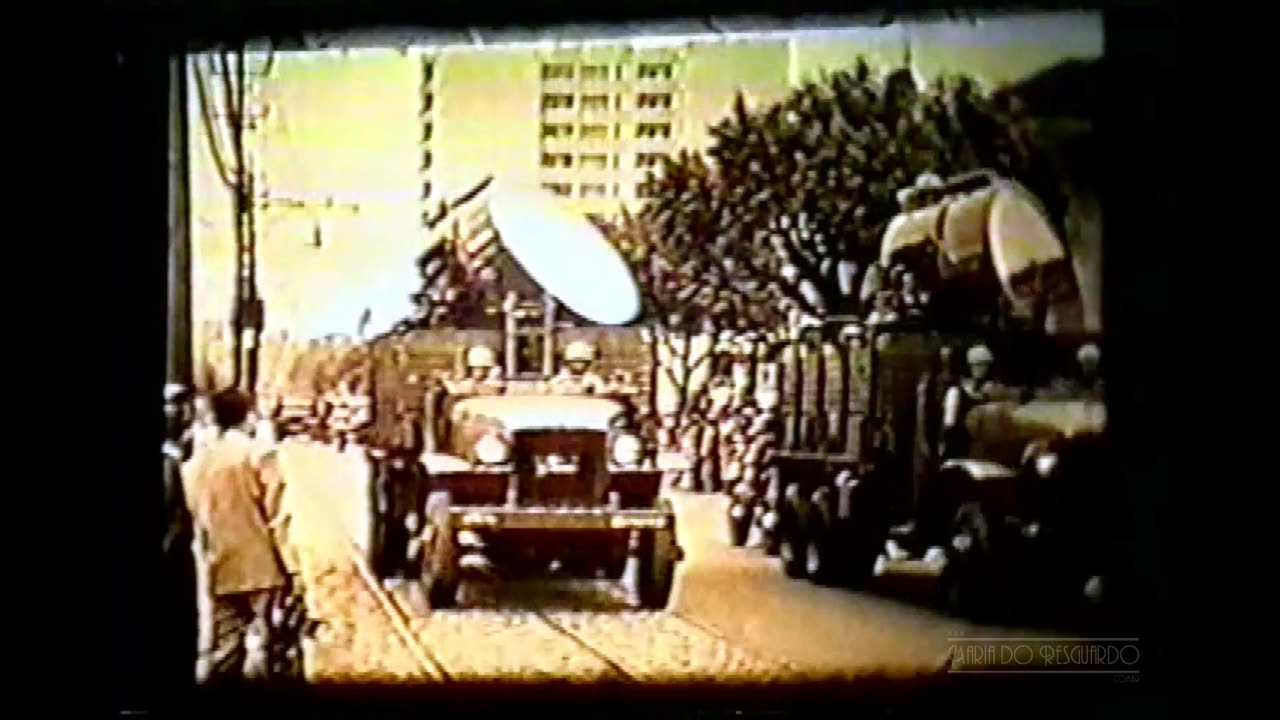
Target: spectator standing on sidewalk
{"type": "Point", "coordinates": [235, 494]}
{"type": "Point", "coordinates": [178, 603]}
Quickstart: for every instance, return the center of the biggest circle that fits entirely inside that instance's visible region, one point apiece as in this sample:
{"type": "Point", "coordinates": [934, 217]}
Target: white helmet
{"type": "Point", "coordinates": [1088, 353]}
{"type": "Point", "coordinates": [979, 355]}
{"type": "Point", "coordinates": [481, 356]}
{"type": "Point", "coordinates": [579, 351]}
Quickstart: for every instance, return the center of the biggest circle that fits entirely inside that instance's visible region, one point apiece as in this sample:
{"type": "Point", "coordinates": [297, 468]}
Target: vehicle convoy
{"type": "Point", "coordinates": [533, 469]}
{"type": "Point", "coordinates": [868, 480]}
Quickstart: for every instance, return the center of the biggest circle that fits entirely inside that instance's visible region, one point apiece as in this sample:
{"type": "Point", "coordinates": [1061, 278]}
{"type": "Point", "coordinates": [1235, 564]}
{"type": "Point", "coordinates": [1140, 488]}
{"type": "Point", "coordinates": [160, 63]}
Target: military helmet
{"type": "Point", "coordinates": [579, 351]}
{"type": "Point", "coordinates": [1088, 352]}
{"type": "Point", "coordinates": [176, 392]}
{"type": "Point", "coordinates": [979, 355]}
{"type": "Point", "coordinates": [481, 356]}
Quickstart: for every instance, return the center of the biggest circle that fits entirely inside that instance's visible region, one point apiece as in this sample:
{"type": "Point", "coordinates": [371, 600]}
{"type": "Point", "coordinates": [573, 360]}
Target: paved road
{"type": "Point", "coordinates": [734, 616]}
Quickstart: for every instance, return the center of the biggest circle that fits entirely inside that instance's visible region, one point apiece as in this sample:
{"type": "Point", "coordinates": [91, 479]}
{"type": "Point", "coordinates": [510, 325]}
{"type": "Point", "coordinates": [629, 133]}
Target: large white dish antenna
{"type": "Point", "coordinates": [566, 255]}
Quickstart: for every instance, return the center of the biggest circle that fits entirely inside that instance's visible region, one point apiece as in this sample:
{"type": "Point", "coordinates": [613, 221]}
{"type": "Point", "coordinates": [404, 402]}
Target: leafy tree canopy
{"type": "Point", "coordinates": [791, 200]}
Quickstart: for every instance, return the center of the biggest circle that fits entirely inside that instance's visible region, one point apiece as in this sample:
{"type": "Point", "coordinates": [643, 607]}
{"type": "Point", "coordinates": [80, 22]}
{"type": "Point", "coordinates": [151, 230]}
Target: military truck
{"type": "Point", "coordinates": [859, 488]}
{"type": "Point", "coordinates": [535, 469]}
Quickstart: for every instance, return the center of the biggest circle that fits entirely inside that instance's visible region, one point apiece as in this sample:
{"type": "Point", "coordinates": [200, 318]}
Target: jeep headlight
{"type": "Point", "coordinates": [492, 450]}
{"type": "Point", "coordinates": [627, 450]}
{"type": "Point", "coordinates": [1045, 464]}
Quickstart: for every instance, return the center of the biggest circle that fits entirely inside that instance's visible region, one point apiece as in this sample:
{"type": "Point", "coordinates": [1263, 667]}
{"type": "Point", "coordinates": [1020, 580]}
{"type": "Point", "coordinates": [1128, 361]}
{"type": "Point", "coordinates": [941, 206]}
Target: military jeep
{"type": "Point", "coordinates": [528, 485]}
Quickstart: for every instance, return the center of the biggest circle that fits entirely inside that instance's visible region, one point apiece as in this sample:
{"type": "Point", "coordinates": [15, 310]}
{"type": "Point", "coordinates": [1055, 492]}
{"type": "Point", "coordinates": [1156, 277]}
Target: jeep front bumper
{"type": "Point", "coordinates": [504, 518]}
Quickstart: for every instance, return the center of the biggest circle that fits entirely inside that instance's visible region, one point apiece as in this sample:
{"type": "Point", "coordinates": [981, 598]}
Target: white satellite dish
{"type": "Point", "coordinates": [566, 255]}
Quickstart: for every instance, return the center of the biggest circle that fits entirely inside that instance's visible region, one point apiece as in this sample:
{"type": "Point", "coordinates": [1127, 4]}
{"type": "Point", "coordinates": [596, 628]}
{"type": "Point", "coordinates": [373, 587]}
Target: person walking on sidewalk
{"type": "Point", "coordinates": [235, 494]}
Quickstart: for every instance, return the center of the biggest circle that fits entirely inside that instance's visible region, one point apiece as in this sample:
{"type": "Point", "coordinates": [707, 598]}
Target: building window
{"type": "Point", "coordinates": [653, 101]}
{"type": "Point", "coordinates": [615, 164]}
{"type": "Point", "coordinates": [595, 132]}
{"type": "Point", "coordinates": [557, 130]}
{"type": "Point", "coordinates": [594, 190]}
{"type": "Point", "coordinates": [595, 72]}
{"type": "Point", "coordinates": [653, 130]}
{"type": "Point", "coordinates": [648, 160]}
{"type": "Point", "coordinates": [426, 191]}
{"type": "Point", "coordinates": [428, 102]}
{"type": "Point", "coordinates": [427, 129]}
{"type": "Point", "coordinates": [426, 160]}
{"type": "Point", "coordinates": [557, 102]}
{"type": "Point", "coordinates": [654, 71]}
{"type": "Point", "coordinates": [557, 71]}
{"type": "Point", "coordinates": [557, 160]}
{"type": "Point", "coordinates": [561, 189]}
{"type": "Point", "coordinates": [595, 102]}
{"type": "Point", "coordinates": [618, 74]}
{"type": "Point", "coordinates": [615, 189]}
{"type": "Point", "coordinates": [645, 190]}
{"type": "Point", "coordinates": [428, 71]}
{"type": "Point", "coordinates": [593, 162]}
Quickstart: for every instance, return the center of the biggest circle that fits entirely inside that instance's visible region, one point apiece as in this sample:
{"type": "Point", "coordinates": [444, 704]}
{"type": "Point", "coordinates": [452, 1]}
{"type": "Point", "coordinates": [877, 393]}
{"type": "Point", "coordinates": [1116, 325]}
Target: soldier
{"type": "Point", "coordinates": [480, 361]}
{"type": "Point", "coordinates": [235, 499]}
{"type": "Point", "coordinates": [1088, 384]}
{"type": "Point", "coordinates": [962, 397]}
{"type": "Point", "coordinates": [914, 301]}
{"type": "Point", "coordinates": [576, 376]}
{"type": "Point", "coordinates": [690, 442]}
{"type": "Point", "coordinates": [885, 311]}
{"type": "Point", "coordinates": [178, 605]}
{"type": "Point", "coordinates": [732, 448]}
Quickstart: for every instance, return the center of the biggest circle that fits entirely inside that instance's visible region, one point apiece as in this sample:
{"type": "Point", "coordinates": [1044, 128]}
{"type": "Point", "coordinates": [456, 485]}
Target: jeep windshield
{"type": "Point", "coordinates": [522, 413]}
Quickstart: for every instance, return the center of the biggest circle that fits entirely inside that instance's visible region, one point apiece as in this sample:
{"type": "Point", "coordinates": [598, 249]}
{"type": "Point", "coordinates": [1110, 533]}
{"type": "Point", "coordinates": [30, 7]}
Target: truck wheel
{"type": "Point", "coordinates": [965, 579]}
{"type": "Point", "coordinates": [440, 562]}
{"type": "Point", "coordinates": [792, 543]}
{"type": "Point", "coordinates": [819, 544]}
{"type": "Point", "coordinates": [658, 565]}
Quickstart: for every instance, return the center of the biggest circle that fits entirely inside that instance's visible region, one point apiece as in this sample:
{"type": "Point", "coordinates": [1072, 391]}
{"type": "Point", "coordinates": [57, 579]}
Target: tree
{"type": "Point", "coordinates": [791, 201]}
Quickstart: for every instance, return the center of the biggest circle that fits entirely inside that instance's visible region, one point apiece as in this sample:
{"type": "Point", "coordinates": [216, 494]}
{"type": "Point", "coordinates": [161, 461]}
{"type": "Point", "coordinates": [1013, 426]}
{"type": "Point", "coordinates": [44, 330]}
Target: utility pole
{"type": "Point", "coordinates": [178, 358]}
{"type": "Point", "coordinates": [232, 166]}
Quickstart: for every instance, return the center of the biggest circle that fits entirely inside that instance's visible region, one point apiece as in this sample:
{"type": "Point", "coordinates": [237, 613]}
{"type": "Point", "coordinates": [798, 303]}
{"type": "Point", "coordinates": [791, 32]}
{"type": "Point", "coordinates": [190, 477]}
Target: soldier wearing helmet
{"type": "Point", "coordinates": [576, 376]}
{"type": "Point", "coordinates": [481, 362]}
{"type": "Point", "coordinates": [971, 391]}
{"type": "Point", "coordinates": [1087, 385]}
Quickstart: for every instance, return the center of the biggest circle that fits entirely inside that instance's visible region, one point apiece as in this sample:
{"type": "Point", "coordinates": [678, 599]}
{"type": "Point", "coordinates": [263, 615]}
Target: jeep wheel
{"type": "Point", "coordinates": [658, 566]}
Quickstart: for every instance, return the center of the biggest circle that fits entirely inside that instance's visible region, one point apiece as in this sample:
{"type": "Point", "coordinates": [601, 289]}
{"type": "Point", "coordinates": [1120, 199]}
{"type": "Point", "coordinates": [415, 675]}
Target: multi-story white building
{"type": "Point", "coordinates": [353, 148]}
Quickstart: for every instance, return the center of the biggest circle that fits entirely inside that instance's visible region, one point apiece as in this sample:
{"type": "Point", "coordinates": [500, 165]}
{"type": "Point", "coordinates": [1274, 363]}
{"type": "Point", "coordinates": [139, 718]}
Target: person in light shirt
{"type": "Point", "coordinates": [235, 495]}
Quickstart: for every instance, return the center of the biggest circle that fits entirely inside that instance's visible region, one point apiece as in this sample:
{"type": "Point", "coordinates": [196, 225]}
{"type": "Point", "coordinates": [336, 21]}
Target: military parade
{"type": "Point", "coordinates": [710, 436]}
